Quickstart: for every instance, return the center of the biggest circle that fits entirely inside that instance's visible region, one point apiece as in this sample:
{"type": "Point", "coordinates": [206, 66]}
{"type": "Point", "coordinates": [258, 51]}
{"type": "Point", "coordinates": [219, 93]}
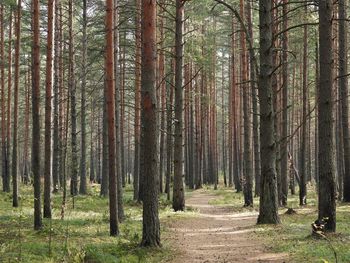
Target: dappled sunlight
{"type": "Point", "coordinates": [218, 229]}
{"type": "Point", "coordinates": [84, 233]}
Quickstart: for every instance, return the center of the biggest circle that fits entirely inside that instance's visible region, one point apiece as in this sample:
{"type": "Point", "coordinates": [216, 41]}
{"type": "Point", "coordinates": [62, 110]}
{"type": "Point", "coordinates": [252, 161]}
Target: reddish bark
{"type": "Point", "coordinates": [110, 99]}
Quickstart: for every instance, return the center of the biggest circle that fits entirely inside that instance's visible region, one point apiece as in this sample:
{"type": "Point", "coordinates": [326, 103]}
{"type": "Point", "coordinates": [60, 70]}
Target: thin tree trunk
{"type": "Point", "coordinates": [105, 157]}
{"type": "Point", "coordinates": [56, 137]}
{"type": "Point", "coordinates": [230, 124]}
{"type": "Point", "coordinates": [339, 145]}
{"type": "Point", "coordinates": [285, 86]}
{"type": "Point", "coordinates": [309, 164]}
{"type": "Point", "coordinates": [255, 106]}
{"type": "Point", "coordinates": [186, 126]}
{"type": "Point", "coordinates": [191, 133]}
{"type": "Point", "coordinates": [223, 126]}
{"type": "Point", "coordinates": [292, 155]}
{"type": "Point", "coordinates": [162, 96]}
{"type": "Point", "coordinates": [248, 178]}
{"type": "Point", "coordinates": [317, 77]}
{"type": "Point", "coordinates": [63, 157]}
{"type": "Point", "coordinates": [62, 142]}
{"type": "Point", "coordinates": [98, 153]}
{"type": "Point", "coordinates": [48, 112]}
{"type": "Point", "coordinates": [36, 114]}
{"type": "Point", "coordinates": [276, 104]}
{"type": "Point", "coordinates": [3, 109]}
{"type": "Point", "coordinates": [121, 107]}
{"type": "Point", "coordinates": [56, 97]}
{"type": "Point", "coordinates": [137, 100]}
{"type": "Point", "coordinates": [128, 156]}
{"type": "Point", "coordinates": [82, 188]}
{"type": "Point", "coordinates": [64, 120]}
{"type": "Point", "coordinates": [110, 101]}
{"type": "Point", "coordinates": [179, 191]}
{"type": "Point", "coordinates": [343, 85]}
{"type": "Point", "coordinates": [72, 89]}
{"type": "Point", "coordinates": [236, 174]}
{"type": "Point", "coordinates": [92, 150]}
{"type": "Point", "coordinates": [15, 109]}
{"type": "Point", "coordinates": [213, 117]}
{"type": "Point", "coordinates": [26, 130]}
{"type": "Point", "coordinates": [6, 181]}
{"type": "Point", "coordinates": [198, 113]}
{"type": "Point", "coordinates": [169, 143]}
{"type": "Point", "coordinates": [303, 168]}
{"type": "Point", "coordinates": [119, 133]}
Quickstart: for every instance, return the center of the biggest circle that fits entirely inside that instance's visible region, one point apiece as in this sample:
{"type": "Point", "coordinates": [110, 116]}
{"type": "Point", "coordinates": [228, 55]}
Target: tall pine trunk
{"type": "Point", "coordinates": [6, 174]}
{"type": "Point", "coordinates": [327, 188]}
{"type": "Point", "coordinates": [119, 133]}
{"type": "Point", "coordinates": [268, 209]}
{"type": "Point", "coordinates": [343, 85]}
{"type": "Point", "coordinates": [82, 188]}
{"type": "Point", "coordinates": [56, 137]}
{"type": "Point", "coordinates": [179, 190]}
{"type": "Point", "coordinates": [150, 223]}
{"type": "Point", "coordinates": [234, 121]}
{"type": "Point", "coordinates": [110, 105]}
{"type": "Point", "coordinates": [48, 111]}
{"type": "Point", "coordinates": [15, 109]}
{"type": "Point", "coordinates": [248, 179]}
{"type": "Point", "coordinates": [3, 109]}
{"type": "Point", "coordinates": [223, 125]}
{"type": "Point", "coordinates": [121, 109]}
{"type": "Point", "coordinates": [255, 106]}
{"type": "Point", "coordinates": [36, 114]}
{"type": "Point", "coordinates": [92, 144]}
{"type": "Point", "coordinates": [72, 89]}
{"type": "Point", "coordinates": [285, 85]}
{"type": "Point", "coordinates": [169, 140]}
{"type": "Point", "coordinates": [26, 129]}
{"type": "Point", "coordinates": [303, 168]}
{"type": "Point", "coordinates": [162, 98]}
{"type": "Point", "coordinates": [137, 100]}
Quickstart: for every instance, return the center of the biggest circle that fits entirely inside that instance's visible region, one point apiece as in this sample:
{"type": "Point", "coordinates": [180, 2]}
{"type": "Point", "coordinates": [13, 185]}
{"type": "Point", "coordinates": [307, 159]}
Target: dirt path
{"type": "Point", "coordinates": [217, 235]}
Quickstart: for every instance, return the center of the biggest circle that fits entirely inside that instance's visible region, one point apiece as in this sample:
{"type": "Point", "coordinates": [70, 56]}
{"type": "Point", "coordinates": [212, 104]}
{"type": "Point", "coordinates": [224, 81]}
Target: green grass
{"type": "Point", "coordinates": [84, 234]}
{"type": "Point", "coordinates": [293, 235]}
{"type": "Point", "coordinates": [230, 198]}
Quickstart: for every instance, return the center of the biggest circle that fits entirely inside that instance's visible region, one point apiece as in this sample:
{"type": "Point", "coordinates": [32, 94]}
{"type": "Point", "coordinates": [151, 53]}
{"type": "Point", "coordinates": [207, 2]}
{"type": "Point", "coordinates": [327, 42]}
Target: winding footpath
{"type": "Point", "coordinates": [217, 235]}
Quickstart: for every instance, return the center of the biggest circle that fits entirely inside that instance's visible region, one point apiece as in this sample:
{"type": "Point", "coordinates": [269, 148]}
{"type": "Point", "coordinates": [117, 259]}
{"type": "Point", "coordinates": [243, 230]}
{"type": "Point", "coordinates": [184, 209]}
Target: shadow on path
{"type": "Point", "coordinates": [217, 235]}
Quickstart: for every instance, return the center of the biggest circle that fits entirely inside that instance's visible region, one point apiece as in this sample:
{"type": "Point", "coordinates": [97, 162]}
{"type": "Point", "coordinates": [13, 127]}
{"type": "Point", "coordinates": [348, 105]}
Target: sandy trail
{"type": "Point", "coordinates": [217, 235]}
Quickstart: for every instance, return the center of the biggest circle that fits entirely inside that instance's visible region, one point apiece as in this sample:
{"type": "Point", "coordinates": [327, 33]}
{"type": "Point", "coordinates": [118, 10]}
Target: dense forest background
{"type": "Point", "coordinates": [119, 107]}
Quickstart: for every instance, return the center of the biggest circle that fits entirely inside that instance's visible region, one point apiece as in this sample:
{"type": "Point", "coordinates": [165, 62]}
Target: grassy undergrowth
{"type": "Point", "coordinates": [84, 234]}
{"type": "Point", "coordinates": [293, 235]}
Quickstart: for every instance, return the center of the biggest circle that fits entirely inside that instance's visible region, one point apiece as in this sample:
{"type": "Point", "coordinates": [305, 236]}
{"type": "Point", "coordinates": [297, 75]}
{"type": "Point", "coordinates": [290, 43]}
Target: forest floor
{"type": "Point", "coordinates": [82, 237]}
{"type": "Point", "coordinates": [214, 228]}
{"type": "Point", "coordinates": [217, 234]}
{"type": "Point", "coordinates": [228, 231]}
